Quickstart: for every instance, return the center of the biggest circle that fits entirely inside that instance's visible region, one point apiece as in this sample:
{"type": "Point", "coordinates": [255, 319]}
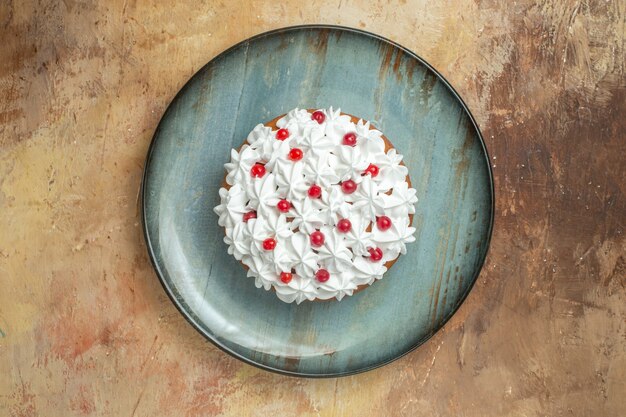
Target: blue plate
{"type": "Point", "coordinates": [314, 67]}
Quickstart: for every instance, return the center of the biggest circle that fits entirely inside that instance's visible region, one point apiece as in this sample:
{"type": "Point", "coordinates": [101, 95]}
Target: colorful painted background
{"type": "Point", "coordinates": [85, 327]}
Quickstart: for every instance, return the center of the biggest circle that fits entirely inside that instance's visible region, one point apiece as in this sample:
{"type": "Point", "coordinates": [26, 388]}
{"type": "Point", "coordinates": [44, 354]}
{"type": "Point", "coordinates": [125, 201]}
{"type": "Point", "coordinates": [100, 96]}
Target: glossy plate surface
{"type": "Point", "coordinates": [313, 67]}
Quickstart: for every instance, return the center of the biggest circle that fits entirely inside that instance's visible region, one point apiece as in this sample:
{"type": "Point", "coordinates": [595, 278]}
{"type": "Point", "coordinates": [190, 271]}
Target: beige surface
{"type": "Point", "coordinates": [85, 327]}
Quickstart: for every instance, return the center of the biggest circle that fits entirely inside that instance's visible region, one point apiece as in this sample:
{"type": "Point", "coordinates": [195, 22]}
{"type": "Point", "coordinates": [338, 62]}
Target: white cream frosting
{"type": "Point", "coordinates": [326, 162]}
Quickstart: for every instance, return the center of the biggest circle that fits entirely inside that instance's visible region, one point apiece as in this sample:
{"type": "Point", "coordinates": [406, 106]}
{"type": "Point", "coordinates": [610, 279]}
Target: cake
{"type": "Point", "coordinates": [316, 205]}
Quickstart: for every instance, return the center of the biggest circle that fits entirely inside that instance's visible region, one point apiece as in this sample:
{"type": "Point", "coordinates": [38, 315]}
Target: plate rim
{"type": "Point", "coordinates": [211, 337]}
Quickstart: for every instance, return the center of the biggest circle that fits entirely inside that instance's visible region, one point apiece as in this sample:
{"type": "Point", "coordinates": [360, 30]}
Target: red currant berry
{"type": "Point", "coordinates": [269, 243]}
{"type": "Point", "coordinates": [344, 225]}
{"type": "Point", "coordinates": [295, 154]}
{"type": "Point", "coordinates": [249, 215]}
{"type": "Point", "coordinates": [318, 116]}
{"type": "Point", "coordinates": [375, 254]}
{"type": "Point", "coordinates": [349, 139]}
{"type": "Point", "coordinates": [372, 170]}
{"type": "Point", "coordinates": [317, 238]}
{"type": "Point", "coordinates": [283, 206]}
{"type": "Point", "coordinates": [315, 191]}
{"type": "Point", "coordinates": [383, 223]}
{"type": "Point", "coordinates": [257, 170]}
{"type": "Point", "coordinates": [286, 277]}
{"type": "Point", "coordinates": [322, 275]}
{"type": "Point", "coordinates": [348, 187]}
{"type": "Point", "coordinates": [282, 134]}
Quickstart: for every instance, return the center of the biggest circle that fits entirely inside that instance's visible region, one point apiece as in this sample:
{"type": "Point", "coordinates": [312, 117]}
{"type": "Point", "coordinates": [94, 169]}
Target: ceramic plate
{"type": "Point", "coordinates": [315, 67]}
